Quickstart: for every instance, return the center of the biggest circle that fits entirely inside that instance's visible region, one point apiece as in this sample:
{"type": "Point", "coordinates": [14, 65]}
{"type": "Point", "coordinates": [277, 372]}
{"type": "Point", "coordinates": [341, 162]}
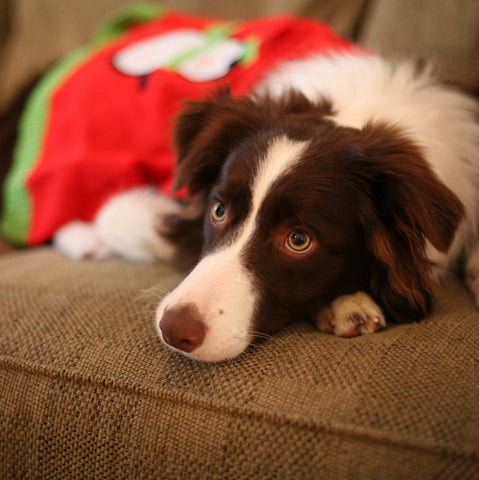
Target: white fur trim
{"type": "Point", "coordinates": [80, 241]}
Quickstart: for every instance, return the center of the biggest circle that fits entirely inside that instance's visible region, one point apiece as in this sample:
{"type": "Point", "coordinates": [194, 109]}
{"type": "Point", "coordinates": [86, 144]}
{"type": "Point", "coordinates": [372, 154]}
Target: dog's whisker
{"type": "Point", "coordinates": [148, 308]}
{"type": "Point", "coordinates": [146, 314]}
{"type": "Point", "coordinates": [258, 334]}
{"type": "Point", "coordinates": [157, 291]}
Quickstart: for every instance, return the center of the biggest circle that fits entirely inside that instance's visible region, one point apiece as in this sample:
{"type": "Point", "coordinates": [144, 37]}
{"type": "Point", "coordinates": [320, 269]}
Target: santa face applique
{"type": "Point", "coordinates": [197, 56]}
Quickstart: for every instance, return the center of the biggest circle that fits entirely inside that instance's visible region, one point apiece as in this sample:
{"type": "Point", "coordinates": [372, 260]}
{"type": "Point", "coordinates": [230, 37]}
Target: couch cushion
{"type": "Point", "coordinates": [445, 36]}
{"type": "Point", "coordinates": [88, 391]}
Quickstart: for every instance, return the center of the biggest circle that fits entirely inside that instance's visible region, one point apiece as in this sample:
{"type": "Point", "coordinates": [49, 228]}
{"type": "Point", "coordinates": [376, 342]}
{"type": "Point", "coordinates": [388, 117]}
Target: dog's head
{"type": "Point", "coordinates": [297, 211]}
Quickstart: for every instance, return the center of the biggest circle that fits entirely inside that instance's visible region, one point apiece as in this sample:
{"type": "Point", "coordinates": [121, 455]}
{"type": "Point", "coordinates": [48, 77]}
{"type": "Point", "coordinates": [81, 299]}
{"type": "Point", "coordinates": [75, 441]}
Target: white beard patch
{"type": "Point", "coordinates": [220, 287]}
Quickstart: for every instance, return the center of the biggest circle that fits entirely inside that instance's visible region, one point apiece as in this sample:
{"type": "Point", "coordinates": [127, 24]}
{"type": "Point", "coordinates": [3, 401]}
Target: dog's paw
{"type": "Point", "coordinates": [80, 241]}
{"type": "Point", "coordinates": [128, 225]}
{"type": "Point", "coordinates": [351, 315]}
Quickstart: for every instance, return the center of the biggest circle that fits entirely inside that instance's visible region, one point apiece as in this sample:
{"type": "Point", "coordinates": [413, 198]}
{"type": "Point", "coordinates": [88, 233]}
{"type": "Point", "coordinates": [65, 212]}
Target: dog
{"type": "Point", "coordinates": [343, 188]}
{"type": "Point", "coordinates": [340, 187]}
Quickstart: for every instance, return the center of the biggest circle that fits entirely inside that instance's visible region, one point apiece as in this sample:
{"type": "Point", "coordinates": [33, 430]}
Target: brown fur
{"type": "Point", "coordinates": [411, 205]}
{"type": "Point", "coordinates": [368, 197]}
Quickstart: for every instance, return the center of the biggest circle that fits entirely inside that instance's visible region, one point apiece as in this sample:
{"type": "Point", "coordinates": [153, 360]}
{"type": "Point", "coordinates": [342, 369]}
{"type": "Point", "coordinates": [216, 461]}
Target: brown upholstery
{"type": "Point", "coordinates": [88, 391]}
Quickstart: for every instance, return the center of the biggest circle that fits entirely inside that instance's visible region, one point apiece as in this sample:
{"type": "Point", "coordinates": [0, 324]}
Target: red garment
{"type": "Point", "coordinates": [107, 130]}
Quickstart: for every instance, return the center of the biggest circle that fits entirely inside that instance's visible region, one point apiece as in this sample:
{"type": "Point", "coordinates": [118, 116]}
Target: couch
{"type": "Point", "coordinates": [87, 391]}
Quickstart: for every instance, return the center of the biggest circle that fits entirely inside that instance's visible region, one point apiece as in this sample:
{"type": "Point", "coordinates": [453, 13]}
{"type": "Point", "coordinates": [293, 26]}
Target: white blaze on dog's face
{"type": "Point", "coordinates": [220, 294]}
{"type": "Point", "coordinates": [297, 212]}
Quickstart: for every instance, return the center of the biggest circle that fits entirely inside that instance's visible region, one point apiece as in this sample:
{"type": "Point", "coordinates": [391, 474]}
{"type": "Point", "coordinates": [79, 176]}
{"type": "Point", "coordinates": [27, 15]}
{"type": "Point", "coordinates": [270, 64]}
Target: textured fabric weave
{"type": "Point", "coordinates": [88, 391]}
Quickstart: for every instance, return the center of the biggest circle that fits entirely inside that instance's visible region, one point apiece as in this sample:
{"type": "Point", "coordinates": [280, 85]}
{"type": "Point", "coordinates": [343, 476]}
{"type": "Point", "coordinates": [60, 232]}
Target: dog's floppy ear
{"type": "Point", "coordinates": [206, 132]}
{"type": "Point", "coordinates": [410, 205]}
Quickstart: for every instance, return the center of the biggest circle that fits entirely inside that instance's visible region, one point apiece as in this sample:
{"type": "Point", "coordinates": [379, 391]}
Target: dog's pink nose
{"type": "Point", "coordinates": [182, 328]}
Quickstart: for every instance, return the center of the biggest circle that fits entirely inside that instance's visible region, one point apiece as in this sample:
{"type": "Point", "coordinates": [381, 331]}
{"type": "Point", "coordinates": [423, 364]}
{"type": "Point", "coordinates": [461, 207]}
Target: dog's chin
{"type": "Point", "coordinates": [208, 352]}
{"type": "Point", "coordinates": [210, 355]}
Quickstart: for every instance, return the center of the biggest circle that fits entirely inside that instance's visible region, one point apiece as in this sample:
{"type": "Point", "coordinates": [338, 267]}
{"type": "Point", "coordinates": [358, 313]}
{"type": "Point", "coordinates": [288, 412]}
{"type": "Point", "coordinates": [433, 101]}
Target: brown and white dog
{"type": "Point", "coordinates": [344, 187]}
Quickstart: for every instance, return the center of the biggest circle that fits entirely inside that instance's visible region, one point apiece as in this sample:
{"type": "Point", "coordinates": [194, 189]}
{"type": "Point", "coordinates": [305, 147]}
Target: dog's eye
{"type": "Point", "coordinates": [218, 212]}
{"type": "Point", "coordinates": [299, 241]}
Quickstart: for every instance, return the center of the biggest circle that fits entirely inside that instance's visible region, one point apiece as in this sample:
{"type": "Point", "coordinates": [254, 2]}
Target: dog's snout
{"type": "Point", "coordinates": [182, 328]}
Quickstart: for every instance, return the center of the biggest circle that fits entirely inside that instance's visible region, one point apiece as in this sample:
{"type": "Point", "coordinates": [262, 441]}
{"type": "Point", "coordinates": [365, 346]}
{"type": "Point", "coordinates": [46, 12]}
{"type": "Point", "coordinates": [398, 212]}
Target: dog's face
{"type": "Point", "coordinates": [297, 211]}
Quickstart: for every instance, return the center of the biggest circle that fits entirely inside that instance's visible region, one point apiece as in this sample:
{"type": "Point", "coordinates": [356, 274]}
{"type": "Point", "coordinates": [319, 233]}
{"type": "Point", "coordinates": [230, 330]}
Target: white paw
{"type": "Point", "coordinates": [472, 273]}
{"type": "Point", "coordinates": [128, 224]}
{"type": "Point", "coordinates": [351, 315]}
{"type": "Point", "coordinates": [80, 241]}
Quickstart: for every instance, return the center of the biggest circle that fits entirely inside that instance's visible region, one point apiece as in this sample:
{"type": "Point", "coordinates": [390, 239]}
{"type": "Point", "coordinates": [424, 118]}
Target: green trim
{"type": "Point", "coordinates": [17, 212]}
{"type": "Point", "coordinates": [16, 216]}
{"type": "Point", "coordinates": [213, 36]}
{"type": "Point", "coordinates": [251, 52]}
{"type": "Point", "coordinates": [126, 18]}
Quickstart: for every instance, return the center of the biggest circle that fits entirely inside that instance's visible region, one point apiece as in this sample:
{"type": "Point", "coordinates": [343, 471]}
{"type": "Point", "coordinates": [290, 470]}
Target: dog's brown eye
{"type": "Point", "coordinates": [298, 241]}
{"type": "Point", "coordinates": [218, 212]}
